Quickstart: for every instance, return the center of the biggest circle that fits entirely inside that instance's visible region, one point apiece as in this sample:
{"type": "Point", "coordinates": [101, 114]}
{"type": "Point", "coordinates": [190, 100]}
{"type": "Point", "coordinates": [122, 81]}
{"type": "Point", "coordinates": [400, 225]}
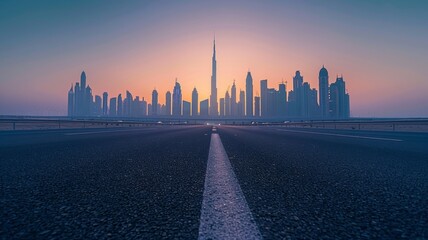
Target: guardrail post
{"type": "Point", "coordinates": [393, 127]}
{"type": "Point", "coordinates": [59, 123]}
{"type": "Point", "coordinates": [14, 126]}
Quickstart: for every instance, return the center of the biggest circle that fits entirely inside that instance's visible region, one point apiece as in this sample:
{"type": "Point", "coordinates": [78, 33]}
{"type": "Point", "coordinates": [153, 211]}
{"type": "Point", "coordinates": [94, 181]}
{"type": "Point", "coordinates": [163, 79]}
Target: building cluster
{"type": "Point", "coordinates": [302, 102]}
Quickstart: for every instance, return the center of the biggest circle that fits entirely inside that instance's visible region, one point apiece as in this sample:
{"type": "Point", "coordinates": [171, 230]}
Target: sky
{"type": "Point", "coordinates": [379, 46]}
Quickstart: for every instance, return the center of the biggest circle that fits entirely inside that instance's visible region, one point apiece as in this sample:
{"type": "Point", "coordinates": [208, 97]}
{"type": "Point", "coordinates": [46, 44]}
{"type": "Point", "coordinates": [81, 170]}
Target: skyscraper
{"type": "Point", "coordinates": [105, 101]}
{"type": "Point", "coordinates": [323, 92]}
{"type": "Point", "coordinates": [233, 105]}
{"type": "Point", "coordinates": [176, 99]}
{"type": "Point", "coordinates": [168, 103]}
{"type": "Point", "coordinates": [98, 106]}
{"type": "Point", "coordinates": [241, 104]}
{"type": "Point", "coordinates": [282, 101]}
{"type": "Point", "coordinates": [70, 102]}
{"type": "Point", "coordinates": [339, 99]}
{"type": "Point", "coordinates": [112, 110]}
{"type": "Point", "coordinates": [119, 105]}
{"type": "Point", "coordinates": [195, 102]}
{"type": "Point", "coordinates": [222, 107]}
{"type": "Point", "coordinates": [213, 96]}
{"type": "Point", "coordinates": [257, 106]}
{"type": "Point", "coordinates": [227, 104]}
{"type": "Point", "coordinates": [297, 104]}
{"type": "Point", "coordinates": [204, 108]}
{"type": "Point", "coordinates": [249, 97]}
{"type": "Point", "coordinates": [264, 98]}
{"type": "Point", "coordinates": [186, 108]}
{"type": "Point", "coordinates": [155, 102]}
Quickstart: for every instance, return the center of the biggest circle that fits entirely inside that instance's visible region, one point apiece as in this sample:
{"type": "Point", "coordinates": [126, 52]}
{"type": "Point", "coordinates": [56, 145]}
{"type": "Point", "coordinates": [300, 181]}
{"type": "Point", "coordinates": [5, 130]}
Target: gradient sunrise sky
{"type": "Point", "coordinates": [380, 47]}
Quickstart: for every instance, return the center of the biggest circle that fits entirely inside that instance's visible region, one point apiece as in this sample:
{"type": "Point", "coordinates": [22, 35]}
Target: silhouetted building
{"type": "Point", "coordinates": [127, 105]}
{"type": "Point", "coordinates": [113, 106]}
{"type": "Point", "coordinates": [149, 109]}
{"type": "Point", "coordinates": [119, 105]}
{"type": "Point", "coordinates": [195, 102]}
{"type": "Point", "coordinates": [155, 102]}
{"type": "Point", "coordinates": [176, 99]}
{"type": "Point", "coordinates": [98, 109]}
{"type": "Point", "coordinates": [80, 100]}
{"type": "Point", "coordinates": [213, 96]}
{"type": "Point", "coordinates": [339, 100]}
{"type": "Point", "coordinates": [257, 106]}
{"type": "Point", "coordinates": [264, 98]}
{"type": "Point", "coordinates": [222, 107]}
{"type": "Point", "coordinates": [144, 107]}
{"type": "Point", "coordinates": [241, 104]}
{"type": "Point", "coordinates": [227, 104]}
{"type": "Point", "coordinates": [168, 103]}
{"type": "Point", "coordinates": [203, 108]}
{"type": "Point", "coordinates": [105, 101]}
{"type": "Point", "coordinates": [249, 97]}
{"type": "Point", "coordinates": [296, 101]}
{"type": "Point", "coordinates": [233, 107]}
{"type": "Point", "coordinates": [323, 89]}
{"type": "Point", "coordinates": [70, 109]}
{"type": "Point", "coordinates": [282, 99]}
{"type": "Point", "coordinates": [186, 108]}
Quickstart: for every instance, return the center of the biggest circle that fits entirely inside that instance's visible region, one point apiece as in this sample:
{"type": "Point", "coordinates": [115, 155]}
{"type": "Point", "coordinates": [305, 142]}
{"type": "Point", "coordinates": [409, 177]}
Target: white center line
{"type": "Point", "coordinates": [225, 213]}
{"type": "Point", "coordinates": [343, 135]}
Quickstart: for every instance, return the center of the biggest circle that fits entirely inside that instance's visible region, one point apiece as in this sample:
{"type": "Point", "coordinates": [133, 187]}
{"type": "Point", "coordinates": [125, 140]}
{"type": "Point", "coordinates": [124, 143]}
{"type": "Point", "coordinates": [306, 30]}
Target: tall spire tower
{"type": "Point", "coordinates": [213, 96]}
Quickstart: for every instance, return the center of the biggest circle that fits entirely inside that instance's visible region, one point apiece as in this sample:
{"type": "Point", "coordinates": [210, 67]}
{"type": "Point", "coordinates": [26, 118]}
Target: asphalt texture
{"type": "Point", "coordinates": [122, 184]}
{"type": "Point", "coordinates": [148, 182]}
{"type": "Point", "coordinates": [311, 186]}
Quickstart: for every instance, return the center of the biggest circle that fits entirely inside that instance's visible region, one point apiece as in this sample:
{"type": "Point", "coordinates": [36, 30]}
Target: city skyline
{"type": "Point", "coordinates": [301, 102]}
{"type": "Point", "coordinates": [384, 72]}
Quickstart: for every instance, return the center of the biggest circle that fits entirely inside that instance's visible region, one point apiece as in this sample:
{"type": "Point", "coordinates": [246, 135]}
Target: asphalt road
{"type": "Point", "coordinates": [96, 184]}
{"type": "Point", "coordinates": [312, 184]}
{"type": "Point", "coordinates": [151, 183]}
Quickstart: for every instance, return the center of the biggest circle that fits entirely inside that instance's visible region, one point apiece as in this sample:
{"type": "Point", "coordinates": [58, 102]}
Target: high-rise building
{"type": "Point", "coordinates": [249, 97]}
{"type": "Point", "coordinates": [233, 105]}
{"type": "Point", "coordinates": [297, 104]}
{"type": "Point", "coordinates": [227, 104]}
{"type": "Point", "coordinates": [98, 106]}
{"type": "Point", "coordinates": [113, 107]}
{"type": "Point", "coordinates": [70, 109]}
{"type": "Point", "coordinates": [339, 99]}
{"type": "Point", "coordinates": [264, 98]}
{"type": "Point", "coordinates": [257, 106]}
{"type": "Point", "coordinates": [168, 103]}
{"type": "Point", "coordinates": [119, 105]}
{"type": "Point", "coordinates": [282, 99]}
{"type": "Point", "coordinates": [155, 102]}
{"type": "Point", "coordinates": [186, 108]}
{"type": "Point", "coordinates": [213, 96]}
{"type": "Point", "coordinates": [105, 101]}
{"type": "Point", "coordinates": [176, 100]}
{"type": "Point", "coordinates": [195, 102]}
{"type": "Point", "coordinates": [203, 108]}
{"type": "Point", "coordinates": [144, 111]}
{"type": "Point", "coordinates": [241, 104]}
{"type": "Point", "coordinates": [127, 105]}
{"type": "Point", "coordinates": [323, 92]}
{"type": "Point", "coordinates": [222, 107]}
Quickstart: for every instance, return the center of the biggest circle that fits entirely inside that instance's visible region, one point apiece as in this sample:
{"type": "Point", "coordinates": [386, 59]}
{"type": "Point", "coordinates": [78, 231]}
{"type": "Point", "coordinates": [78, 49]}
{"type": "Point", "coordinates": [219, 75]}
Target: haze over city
{"type": "Point", "coordinates": [380, 48]}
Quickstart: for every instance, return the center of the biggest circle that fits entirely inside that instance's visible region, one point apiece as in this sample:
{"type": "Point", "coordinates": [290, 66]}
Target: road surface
{"type": "Point", "coordinates": [189, 182]}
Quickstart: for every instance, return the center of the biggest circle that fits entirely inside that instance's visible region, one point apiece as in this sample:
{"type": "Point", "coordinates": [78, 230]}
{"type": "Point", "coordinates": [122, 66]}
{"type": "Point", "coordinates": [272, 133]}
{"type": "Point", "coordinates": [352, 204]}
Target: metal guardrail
{"type": "Point", "coordinates": [39, 124]}
{"type": "Point", "coordinates": [411, 125]}
{"type": "Point", "coordinates": [383, 125]}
